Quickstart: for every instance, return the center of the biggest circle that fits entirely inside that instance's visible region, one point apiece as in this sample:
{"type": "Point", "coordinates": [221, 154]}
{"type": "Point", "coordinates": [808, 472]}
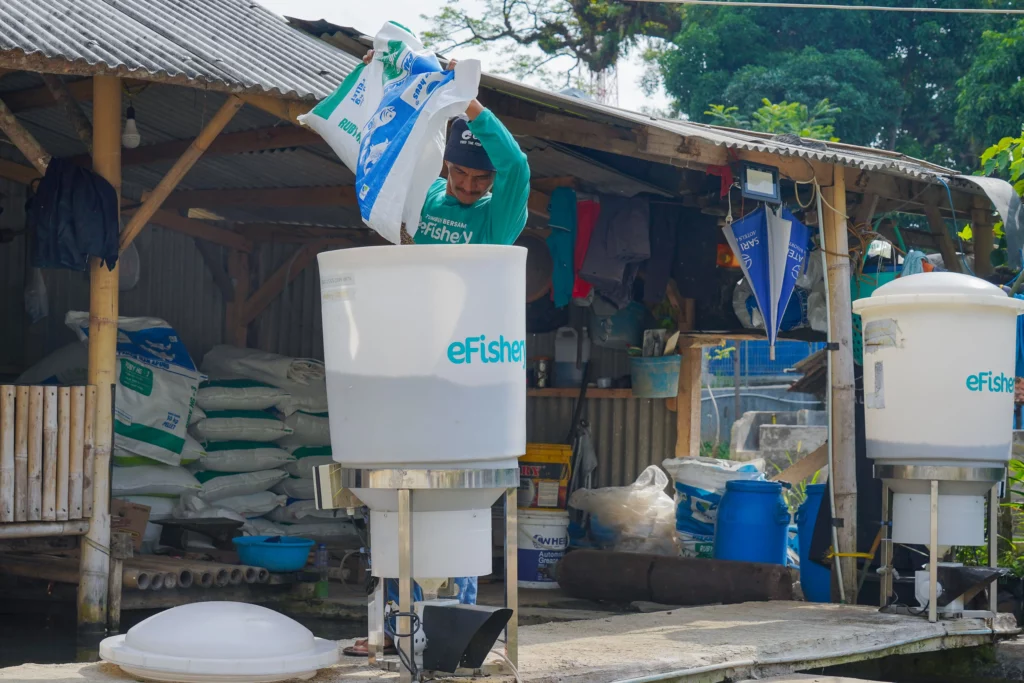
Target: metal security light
{"type": "Point", "coordinates": [760, 183]}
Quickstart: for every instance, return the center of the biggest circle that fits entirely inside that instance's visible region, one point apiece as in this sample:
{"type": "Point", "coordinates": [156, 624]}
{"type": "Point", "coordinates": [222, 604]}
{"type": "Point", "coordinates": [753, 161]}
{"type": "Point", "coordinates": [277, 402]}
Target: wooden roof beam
{"type": "Point", "coordinates": [278, 137]}
{"type": "Point", "coordinates": [333, 195]}
{"type": "Point", "coordinates": [185, 162]}
{"type": "Point", "coordinates": [23, 139]}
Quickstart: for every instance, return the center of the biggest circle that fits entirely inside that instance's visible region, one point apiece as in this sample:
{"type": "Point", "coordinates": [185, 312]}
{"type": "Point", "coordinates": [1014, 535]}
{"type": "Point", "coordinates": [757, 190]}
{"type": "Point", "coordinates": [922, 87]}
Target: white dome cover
{"type": "Point", "coordinates": [219, 642]}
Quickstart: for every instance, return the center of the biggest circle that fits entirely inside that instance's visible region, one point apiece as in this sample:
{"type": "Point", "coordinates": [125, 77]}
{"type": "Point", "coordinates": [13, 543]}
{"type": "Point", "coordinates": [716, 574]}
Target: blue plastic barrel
{"type": "Point", "coordinates": [655, 377]}
{"type": "Point", "coordinates": [815, 580]}
{"type": "Point", "coordinates": [753, 523]}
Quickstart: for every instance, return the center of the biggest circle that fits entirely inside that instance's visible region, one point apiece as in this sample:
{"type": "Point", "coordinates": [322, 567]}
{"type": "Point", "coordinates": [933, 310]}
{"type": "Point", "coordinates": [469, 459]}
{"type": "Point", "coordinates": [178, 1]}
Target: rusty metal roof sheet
{"type": "Point", "coordinates": [228, 44]}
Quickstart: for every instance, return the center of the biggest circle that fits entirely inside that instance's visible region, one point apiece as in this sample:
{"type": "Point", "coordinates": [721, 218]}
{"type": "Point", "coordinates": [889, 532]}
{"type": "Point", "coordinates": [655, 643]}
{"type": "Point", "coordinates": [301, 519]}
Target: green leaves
{"type": "Point", "coordinates": [785, 117]}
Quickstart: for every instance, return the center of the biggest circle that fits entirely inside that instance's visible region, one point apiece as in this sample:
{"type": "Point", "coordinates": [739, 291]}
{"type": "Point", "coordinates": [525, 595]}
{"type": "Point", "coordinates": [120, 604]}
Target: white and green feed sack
{"type": "Point", "coordinates": [238, 394]}
{"type": "Point", "coordinates": [239, 425]}
{"type": "Point", "coordinates": [219, 485]}
{"type": "Point", "coordinates": [387, 123]}
{"type": "Point", "coordinates": [156, 386]}
{"type": "Point", "coordinates": [153, 480]}
{"type": "Point", "coordinates": [243, 456]}
{"type": "Point", "coordinates": [307, 458]}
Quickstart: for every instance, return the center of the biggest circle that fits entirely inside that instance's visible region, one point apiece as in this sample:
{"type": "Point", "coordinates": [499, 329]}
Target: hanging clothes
{"type": "Point", "coordinates": [666, 222]}
{"type": "Point", "coordinates": [587, 211]}
{"type": "Point", "coordinates": [621, 241]}
{"type": "Point", "coordinates": [562, 243]}
{"type": "Point", "coordinates": [72, 216]}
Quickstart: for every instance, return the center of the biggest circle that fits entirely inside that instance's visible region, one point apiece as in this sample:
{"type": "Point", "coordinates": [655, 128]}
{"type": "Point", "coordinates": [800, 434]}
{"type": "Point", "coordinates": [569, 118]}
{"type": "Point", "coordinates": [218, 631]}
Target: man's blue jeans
{"type": "Point", "coordinates": [467, 590]}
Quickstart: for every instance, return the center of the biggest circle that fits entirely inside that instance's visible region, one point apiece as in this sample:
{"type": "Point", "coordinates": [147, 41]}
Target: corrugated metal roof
{"type": "Point", "coordinates": [852, 156]}
{"type": "Point", "coordinates": [231, 44]}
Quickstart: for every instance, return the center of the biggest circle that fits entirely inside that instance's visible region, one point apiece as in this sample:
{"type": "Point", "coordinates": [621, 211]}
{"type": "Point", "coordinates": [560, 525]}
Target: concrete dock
{"type": "Point", "coordinates": [705, 644]}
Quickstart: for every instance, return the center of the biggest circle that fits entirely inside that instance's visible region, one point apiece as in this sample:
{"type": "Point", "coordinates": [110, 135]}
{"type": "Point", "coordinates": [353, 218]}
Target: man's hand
{"type": "Point", "coordinates": [368, 57]}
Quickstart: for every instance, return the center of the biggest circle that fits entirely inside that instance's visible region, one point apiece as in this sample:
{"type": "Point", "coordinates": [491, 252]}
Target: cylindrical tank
{"type": "Point", "coordinates": [939, 353]}
{"type": "Point", "coordinates": [753, 523]}
{"type": "Point", "coordinates": [425, 353]}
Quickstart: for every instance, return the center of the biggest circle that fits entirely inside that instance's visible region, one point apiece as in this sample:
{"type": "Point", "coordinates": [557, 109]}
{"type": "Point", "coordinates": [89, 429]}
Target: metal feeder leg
{"type": "Point", "coordinates": [405, 606]}
{"type": "Point", "coordinates": [933, 556]}
{"type": "Point", "coordinates": [512, 574]}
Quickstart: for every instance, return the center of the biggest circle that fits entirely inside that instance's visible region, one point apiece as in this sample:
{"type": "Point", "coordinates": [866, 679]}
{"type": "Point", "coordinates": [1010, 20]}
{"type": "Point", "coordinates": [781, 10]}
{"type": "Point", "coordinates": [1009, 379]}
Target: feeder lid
{"type": "Point", "coordinates": [939, 288]}
{"type": "Point", "coordinates": [219, 642]}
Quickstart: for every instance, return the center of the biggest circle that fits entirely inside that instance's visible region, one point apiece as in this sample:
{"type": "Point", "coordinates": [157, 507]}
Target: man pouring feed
{"type": "Point", "coordinates": [483, 200]}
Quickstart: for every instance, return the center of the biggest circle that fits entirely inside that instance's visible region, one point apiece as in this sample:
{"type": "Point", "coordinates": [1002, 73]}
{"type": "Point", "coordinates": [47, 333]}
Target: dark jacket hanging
{"type": "Point", "coordinates": [72, 216]}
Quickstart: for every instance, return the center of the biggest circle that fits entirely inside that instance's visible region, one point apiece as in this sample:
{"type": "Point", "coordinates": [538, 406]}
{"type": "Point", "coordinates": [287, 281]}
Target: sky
{"type": "Point", "coordinates": [369, 15]}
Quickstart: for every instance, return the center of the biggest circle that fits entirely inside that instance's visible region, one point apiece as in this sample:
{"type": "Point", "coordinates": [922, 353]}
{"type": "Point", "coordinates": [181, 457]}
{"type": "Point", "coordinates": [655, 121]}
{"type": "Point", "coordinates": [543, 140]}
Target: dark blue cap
{"type": "Point", "coordinates": [464, 149]}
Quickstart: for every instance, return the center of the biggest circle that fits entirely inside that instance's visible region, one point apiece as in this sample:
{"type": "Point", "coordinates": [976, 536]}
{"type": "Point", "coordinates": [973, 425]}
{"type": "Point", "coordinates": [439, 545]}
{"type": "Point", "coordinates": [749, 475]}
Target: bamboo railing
{"type": "Point", "coordinates": [46, 459]}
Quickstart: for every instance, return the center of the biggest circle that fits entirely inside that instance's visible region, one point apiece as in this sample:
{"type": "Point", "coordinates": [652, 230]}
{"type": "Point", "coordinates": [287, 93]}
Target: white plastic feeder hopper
{"type": "Point", "coordinates": [939, 354]}
{"type": "Point", "coordinates": [425, 354]}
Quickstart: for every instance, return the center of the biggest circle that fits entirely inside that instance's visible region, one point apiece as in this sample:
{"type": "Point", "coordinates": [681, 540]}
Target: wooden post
{"type": "Point", "coordinates": [21, 401]}
{"type": "Point", "coordinates": [35, 454]}
{"type": "Point", "coordinates": [238, 271]}
{"type": "Point", "coordinates": [950, 259]}
{"type": "Point", "coordinates": [63, 451]}
{"type": "Point", "coordinates": [984, 240]}
{"type": "Point", "coordinates": [77, 452]}
{"type": "Point", "coordinates": [50, 454]}
{"type": "Point", "coordinates": [688, 398]}
{"type": "Point", "coordinates": [844, 473]}
{"type": "Point", "coordinates": [120, 550]}
{"type": "Point", "coordinates": [7, 394]}
{"type": "Point", "coordinates": [88, 451]}
{"type": "Point", "coordinates": [95, 560]}
{"type": "Point", "coordinates": [179, 169]}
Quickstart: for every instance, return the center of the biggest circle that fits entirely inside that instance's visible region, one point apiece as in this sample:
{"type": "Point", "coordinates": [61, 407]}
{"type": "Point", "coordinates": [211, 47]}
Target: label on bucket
{"type": "Point", "coordinates": [541, 546]}
{"type": "Point", "coordinates": [478, 349]}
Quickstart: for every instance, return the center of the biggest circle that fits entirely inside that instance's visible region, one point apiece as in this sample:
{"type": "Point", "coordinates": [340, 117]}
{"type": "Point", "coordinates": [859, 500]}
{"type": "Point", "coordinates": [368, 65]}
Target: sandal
{"type": "Point", "coordinates": [361, 648]}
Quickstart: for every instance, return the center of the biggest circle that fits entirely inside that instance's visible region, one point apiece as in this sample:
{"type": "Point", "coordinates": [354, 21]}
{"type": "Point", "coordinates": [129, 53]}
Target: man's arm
{"type": "Point", "coordinates": [511, 189]}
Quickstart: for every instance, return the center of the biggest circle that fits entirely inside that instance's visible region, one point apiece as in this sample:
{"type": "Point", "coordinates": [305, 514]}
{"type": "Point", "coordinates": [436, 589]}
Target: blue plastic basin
{"type": "Point", "coordinates": [655, 377]}
{"type": "Point", "coordinates": [282, 554]}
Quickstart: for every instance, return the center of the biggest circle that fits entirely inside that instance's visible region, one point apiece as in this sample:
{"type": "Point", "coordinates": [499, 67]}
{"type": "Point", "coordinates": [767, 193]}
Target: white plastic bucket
{"type": "Point", "coordinates": [425, 354]}
{"type": "Point", "coordinates": [543, 540]}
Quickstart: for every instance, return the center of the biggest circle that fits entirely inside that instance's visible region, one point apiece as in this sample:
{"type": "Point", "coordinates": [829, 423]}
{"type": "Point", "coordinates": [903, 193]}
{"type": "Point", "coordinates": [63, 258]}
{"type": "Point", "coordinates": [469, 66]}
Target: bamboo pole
{"type": "Point", "coordinates": [95, 560]}
{"type": "Point", "coordinates": [121, 549]}
{"type": "Point", "coordinates": [35, 454]}
{"type": "Point", "coordinates": [42, 529]}
{"type": "Point", "coordinates": [7, 399]}
{"type": "Point", "coordinates": [250, 574]}
{"type": "Point", "coordinates": [49, 454]}
{"type": "Point", "coordinates": [183, 575]}
{"type": "Point", "coordinates": [77, 451]}
{"type": "Point", "coordinates": [23, 140]}
{"type": "Point", "coordinates": [171, 179]}
{"type": "Point", "coordinates": [88, 457]}
{"type": "Point", "coordinates": [984, 238]}
{"type": "Point", "coordinates": [202, 573]}
{"type": "Point", "coordinates": [843, 472]}
{"type": "Point", "coordinates": [63, 450]}
{"type": "Point", "coordinates": [21, 410]}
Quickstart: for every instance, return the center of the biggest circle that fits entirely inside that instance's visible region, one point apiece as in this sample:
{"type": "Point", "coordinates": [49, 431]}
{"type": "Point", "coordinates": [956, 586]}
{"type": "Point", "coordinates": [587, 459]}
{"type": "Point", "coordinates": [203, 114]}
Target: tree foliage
{"type": "Point", "coordinates": [990, 102]}
{"type": "Point", "coordinates": [894, 75]}
{"type": "Point", "coordinates": [784, 117]}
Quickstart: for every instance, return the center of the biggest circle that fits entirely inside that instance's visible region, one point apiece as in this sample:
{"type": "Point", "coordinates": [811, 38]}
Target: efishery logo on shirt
{"type": "Point", "coordinates": [478, 349]}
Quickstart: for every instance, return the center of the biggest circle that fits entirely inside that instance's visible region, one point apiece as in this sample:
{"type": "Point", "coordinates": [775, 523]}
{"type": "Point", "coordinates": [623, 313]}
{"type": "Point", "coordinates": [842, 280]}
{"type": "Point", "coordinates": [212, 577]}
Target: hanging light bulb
{"type": "Point", "coordinates": [130, 138]}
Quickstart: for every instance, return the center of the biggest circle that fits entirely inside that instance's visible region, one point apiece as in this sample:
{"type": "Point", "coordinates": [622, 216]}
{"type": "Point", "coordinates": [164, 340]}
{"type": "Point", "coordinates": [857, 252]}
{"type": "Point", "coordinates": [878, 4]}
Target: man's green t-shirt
{"type": "Point", "coordinates": [495, 218]}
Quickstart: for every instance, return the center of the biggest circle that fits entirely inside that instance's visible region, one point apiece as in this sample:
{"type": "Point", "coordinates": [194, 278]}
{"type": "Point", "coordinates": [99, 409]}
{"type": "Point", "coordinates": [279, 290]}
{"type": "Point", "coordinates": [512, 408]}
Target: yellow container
{"type": "Point", "coordinates": [544, 474]}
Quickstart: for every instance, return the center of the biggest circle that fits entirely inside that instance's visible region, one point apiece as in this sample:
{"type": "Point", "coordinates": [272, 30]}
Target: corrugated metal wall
{"type": "Point", "coordinates": [291, 325]}
{"type": "Point", "coordinates": [174, 284]}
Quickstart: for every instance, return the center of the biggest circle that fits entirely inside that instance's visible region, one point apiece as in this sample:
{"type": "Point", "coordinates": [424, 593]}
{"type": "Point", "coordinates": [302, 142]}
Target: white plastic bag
{"type": "Point", "coordinates": [67, 365]}
{"type": "Point", "coordinates": [387, 121]}
{"type": "Point", "coordinates": [243, 456]}
{"type": "Point", "coordinates": [218, 485]}
{"type": "Point", "coordinates": [238, 394]}
{"type": "Point", "coordinates": [641, 516]}
{"type": "Point", "coordinates": [299, 489]}
{"type": "Point", "coordinates": [191, 506]}
{"type": "Point", "coordinates": [699, 486]}
{"type": "Point", "coordinates": [239, 425]}
{"type": "Point", "coordinates": [152, 480]}
{"type": "Point", "coordinates": [156, 386]}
